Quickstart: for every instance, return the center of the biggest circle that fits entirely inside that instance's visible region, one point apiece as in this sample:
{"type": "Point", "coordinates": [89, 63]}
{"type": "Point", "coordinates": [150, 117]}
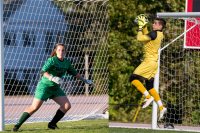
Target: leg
{"type": "Point", "coordinates": [64, 103]}
{"type": "Point", "coordinates": [64, 107]}
{"type": "Point", "coordinates": [143, 72]}
{"type": "Point", "coordinates": [136, 80]}
{"type": "Point", "coordinates": [36, 104]}
{"type": "Point", "coordinates": [154, 93]}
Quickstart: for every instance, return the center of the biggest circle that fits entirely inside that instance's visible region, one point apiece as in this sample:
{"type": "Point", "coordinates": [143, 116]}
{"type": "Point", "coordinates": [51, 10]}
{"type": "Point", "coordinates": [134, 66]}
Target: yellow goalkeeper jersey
{"type": "Point", "coordinates": [152, 41]}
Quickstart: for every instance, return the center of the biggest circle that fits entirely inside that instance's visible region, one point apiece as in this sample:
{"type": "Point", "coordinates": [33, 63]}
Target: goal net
{"type": "Point", "coordinates": [179, 74]}
{"type": "Point", "coordinates": [31, 29]}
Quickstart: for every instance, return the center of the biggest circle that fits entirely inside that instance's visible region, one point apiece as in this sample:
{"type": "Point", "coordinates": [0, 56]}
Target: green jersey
{"type": "Point", "coordinates": [57, 68]}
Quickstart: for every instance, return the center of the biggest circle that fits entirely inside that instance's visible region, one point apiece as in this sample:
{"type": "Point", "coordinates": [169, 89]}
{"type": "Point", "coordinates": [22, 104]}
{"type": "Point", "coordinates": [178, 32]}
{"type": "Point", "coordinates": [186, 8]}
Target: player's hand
{"type": "Point", "coordinates": [88, 82]}
{"type": "Point", "coordinates": [56, 80]}
{"type": "Point", "coordinates": [141, 20]}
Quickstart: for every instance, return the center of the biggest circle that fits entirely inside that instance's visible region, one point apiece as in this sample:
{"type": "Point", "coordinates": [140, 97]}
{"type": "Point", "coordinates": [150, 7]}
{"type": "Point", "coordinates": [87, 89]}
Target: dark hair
{"type": "Point", "coordinates": [53, 53]}
{"type": "Point", "coordinates": [161, 21]}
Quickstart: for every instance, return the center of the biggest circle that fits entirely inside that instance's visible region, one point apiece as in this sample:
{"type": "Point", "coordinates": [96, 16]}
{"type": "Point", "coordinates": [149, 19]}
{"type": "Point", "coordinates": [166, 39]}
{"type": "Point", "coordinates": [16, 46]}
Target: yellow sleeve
{"type": "Point", "coordinates": [145, 30]}
{"type": "Point", "coordinates": [142, 38]}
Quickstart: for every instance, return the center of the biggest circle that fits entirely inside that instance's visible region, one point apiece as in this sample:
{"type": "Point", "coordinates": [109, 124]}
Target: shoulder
{"type": "Point", "coordinates": [160, 33]}
{"type": "Point", "coordinates": [67, 61]}
{"type": "Point", "coordinates": [153, 35]}
{"type": "Point", "coordinates": [51, 59]}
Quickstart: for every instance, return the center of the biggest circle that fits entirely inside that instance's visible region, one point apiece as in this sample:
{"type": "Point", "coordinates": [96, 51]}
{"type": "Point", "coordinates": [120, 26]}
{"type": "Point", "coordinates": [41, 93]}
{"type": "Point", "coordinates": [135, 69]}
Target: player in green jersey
{"type": "Point", "coordinates": [49, 87]}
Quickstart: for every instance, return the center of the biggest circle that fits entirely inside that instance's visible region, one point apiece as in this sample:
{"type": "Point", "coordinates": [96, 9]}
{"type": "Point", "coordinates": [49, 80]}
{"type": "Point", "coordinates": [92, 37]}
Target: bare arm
{"type": "Point", "coordinates": [78, 76]}
{"type": "Point", "coordinates": [47, 75]}
{"type": "Point", "coordinates": [83, 79]}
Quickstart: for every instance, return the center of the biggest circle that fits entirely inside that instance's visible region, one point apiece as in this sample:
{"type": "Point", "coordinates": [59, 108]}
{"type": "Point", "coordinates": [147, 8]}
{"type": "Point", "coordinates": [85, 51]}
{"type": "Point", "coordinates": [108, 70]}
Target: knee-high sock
{"type": "Point", "coordinates": [140, 87]}
{"type": "Point", "coordinates": [22, 119]}
{"type": "Point", "coordinates": [59, 115]}
{"type": "Point", "coordinates": [156, 96]}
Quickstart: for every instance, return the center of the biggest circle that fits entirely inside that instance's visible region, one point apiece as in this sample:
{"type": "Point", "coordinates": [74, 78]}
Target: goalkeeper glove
{"type": "Point", "coordinates": [56, 80]}
{"type": "Point", "coordinates": [88, 81]}
{"type": "Point", "coordinates": [141, 20]}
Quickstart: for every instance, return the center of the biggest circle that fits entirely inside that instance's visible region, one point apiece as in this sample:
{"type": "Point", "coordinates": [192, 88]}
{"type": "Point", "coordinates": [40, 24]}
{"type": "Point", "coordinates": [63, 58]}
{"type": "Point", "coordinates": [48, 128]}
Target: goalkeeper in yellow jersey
{"type": "Point", "coordinates": [148, 68]}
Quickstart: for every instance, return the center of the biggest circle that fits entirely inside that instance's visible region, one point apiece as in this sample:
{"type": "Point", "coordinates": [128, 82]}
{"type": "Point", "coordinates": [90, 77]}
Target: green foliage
{"type": "Point", "coordinates": [195, 117]}
{"type": "Point", "coordinates": [125, 52]}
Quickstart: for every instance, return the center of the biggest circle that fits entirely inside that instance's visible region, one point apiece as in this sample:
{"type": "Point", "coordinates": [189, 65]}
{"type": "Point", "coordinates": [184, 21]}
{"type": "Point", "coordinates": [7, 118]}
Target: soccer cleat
{"type": "Point", "coordinates": [169, 126]}
{"type": "Point", "coordinates": [15, 128]}
{"type": "Point", "coordinates": [52, 126]}
{"type": "Point", "coordinates": [147, 102]}
{"type": "Point", "coordinates": [162, 112]}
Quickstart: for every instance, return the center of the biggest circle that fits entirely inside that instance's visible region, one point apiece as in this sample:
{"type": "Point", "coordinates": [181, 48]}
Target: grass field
{"type": "Point", "coordinates": [84, 126]}
{"type": "Point", "coordinates": [132, 130]}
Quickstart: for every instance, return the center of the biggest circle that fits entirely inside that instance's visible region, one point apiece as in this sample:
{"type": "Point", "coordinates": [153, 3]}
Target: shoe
{"type": "Point", "coordinates": [162, 112]}
{"type": "Point", "coordinates": [147, 102]}
{"type": "Point", "coordinates": [169, 126]}
{"type": "Point", "coordinates": [52, 126]}
{"type": "Point", "coordinates": [15, 128]}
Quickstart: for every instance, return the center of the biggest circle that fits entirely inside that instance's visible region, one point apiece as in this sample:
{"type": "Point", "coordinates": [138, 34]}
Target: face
{"type": "Point", "coordinates": [60, 52]}
{"type": "Point", "coordinates": [157, 25]}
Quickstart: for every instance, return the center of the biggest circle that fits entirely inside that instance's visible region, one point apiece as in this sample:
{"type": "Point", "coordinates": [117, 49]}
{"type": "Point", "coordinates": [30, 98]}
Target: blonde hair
{"type": "Point", "coordinates": [53, 53]}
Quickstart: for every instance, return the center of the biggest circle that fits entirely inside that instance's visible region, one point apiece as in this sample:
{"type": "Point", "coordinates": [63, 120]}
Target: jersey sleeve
{"type": "Point", "coordinates": [71, 70]}
{"type": "Point", "coordinates": [145, 30]}
{"type": "Point", "coordinates": [142, 37]}
{"type": "Point", "coordinates": [48, 64]}
{"type": "Point", "coordinates": [153, 35]}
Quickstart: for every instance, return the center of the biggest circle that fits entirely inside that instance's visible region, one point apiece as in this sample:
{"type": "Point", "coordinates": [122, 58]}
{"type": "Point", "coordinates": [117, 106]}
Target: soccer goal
{"type": "Point", "coordinates": [31, 28]}
{"type": "Point", "coordinates": [178, 78]}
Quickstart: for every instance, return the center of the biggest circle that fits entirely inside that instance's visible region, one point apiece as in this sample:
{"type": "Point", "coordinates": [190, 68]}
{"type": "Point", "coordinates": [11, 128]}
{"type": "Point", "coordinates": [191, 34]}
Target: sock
{"type": "Point", "coordinates": [22, 119]}
{"type": "Point", "coordinates": [160, 105]}
{"type": "Point", "coordinates": [59, 114]}
{"type": "Point", "coordinates": [156, 96]}
{"type": "Point", "coordinates": [140, 87]}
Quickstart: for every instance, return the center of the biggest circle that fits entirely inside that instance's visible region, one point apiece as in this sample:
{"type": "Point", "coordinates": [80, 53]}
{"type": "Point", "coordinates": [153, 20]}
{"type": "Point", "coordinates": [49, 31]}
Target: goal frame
{"type": "Point", "coordinates": [1, 69]}
{"type": "Point", "coordinates": [156, 83]}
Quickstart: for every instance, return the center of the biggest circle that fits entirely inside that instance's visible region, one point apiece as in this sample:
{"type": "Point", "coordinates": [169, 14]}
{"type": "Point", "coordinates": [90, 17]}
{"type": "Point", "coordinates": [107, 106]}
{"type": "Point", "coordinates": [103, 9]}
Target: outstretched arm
{"type": "Point", "coordinates": [73, 72]}
{"type": "Point", "coordinates": [83, 79]}
{"type": "Point", "coordinates": [55, 79]}
{"type": "Point", "coordinates": [47, 75]}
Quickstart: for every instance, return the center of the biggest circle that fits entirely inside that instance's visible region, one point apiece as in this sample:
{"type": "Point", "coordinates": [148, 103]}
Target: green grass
{"type": "Point", "coordinates": [84, 126]}
{"type": "Point", "coordinates": [132, 130]}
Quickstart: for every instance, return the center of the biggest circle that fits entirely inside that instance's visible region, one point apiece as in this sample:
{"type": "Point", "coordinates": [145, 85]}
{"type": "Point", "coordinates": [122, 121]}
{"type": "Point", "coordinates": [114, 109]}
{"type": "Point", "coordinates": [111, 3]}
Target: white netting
{"type": "Point", "coordinates": [31, 29]}
{"type": "Point", "coordinates": [179, 83]}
